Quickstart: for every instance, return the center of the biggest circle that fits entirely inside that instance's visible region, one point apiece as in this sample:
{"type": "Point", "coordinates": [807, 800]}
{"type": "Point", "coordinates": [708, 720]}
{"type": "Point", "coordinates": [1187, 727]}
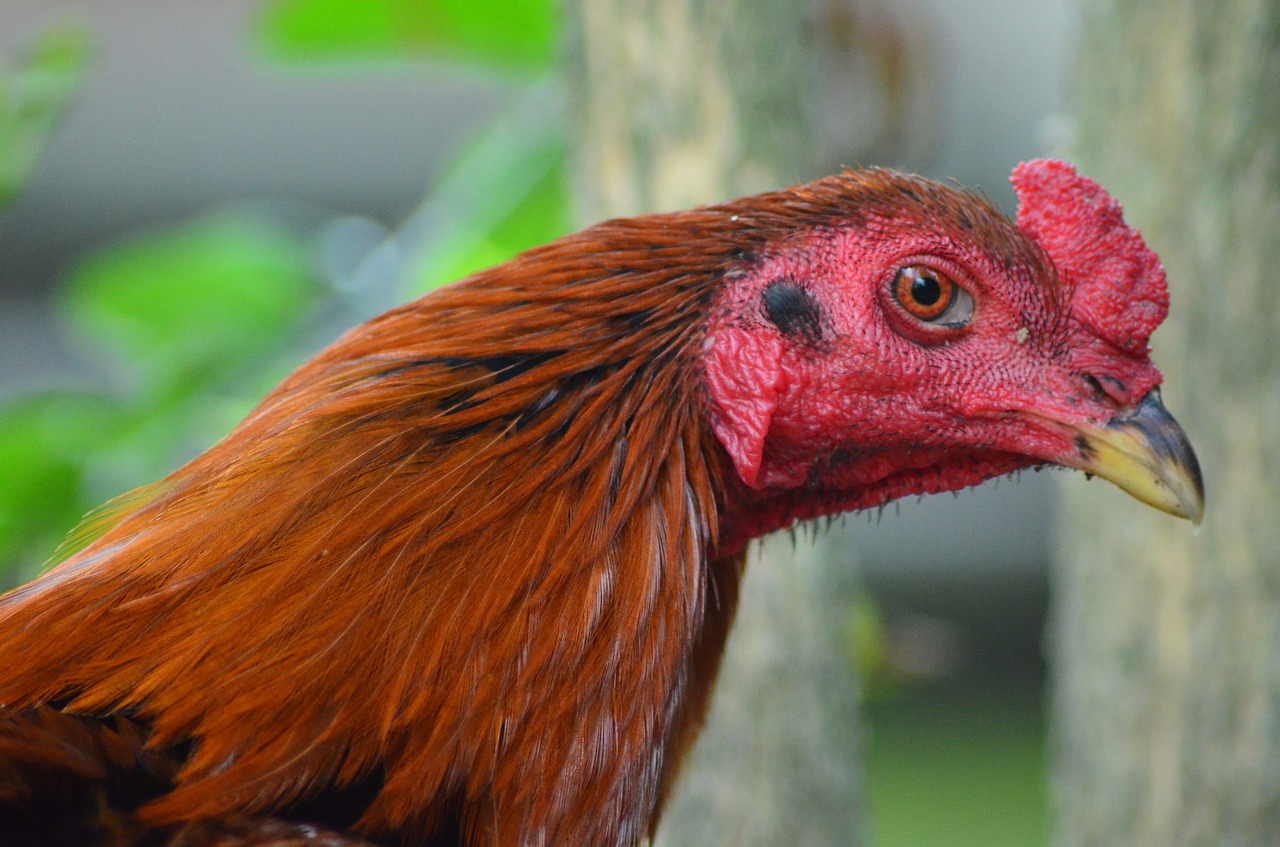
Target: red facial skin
{"type": "Point", "coordinates": [881, 404]}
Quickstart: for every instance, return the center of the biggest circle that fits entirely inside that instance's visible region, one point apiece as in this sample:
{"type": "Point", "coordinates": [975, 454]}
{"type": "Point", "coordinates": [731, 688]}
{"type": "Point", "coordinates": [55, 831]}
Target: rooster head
{"type": "Point", "coordinates": [906, 337]}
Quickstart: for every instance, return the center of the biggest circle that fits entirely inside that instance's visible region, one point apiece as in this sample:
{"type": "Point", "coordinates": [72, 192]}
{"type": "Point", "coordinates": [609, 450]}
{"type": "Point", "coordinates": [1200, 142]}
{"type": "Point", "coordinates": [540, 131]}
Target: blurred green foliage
{"type": "Point", "coordinates": [961, 767]}
{"type": "Point", "coordinates": [867, 641]}
{"type": "Point", "coordinates": [185, 306]}
{"type": "Point", "coordinates": [45, 444]}
{"type": "Point", "coordinates": [509, 34]}
{"type": "Point", "coordinates": [510, 188]}
{"type": "Point", "coordinates": [506, 192]}
{"type": "Point", "coordinates": [535, 218]}
{"type": "Point", "coordinates": [192, 322]}
{"type": "Point", "coordinates": [33, 97]}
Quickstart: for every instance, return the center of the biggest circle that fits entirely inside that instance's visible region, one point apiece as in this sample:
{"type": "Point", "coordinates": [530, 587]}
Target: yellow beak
{"type": "Point", "coordinates": [1145, 453]}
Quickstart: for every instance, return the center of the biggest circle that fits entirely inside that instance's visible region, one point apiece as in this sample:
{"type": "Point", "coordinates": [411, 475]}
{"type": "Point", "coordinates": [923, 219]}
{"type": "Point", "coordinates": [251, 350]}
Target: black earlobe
{"type": "Point", "coordinates": [792, 309]}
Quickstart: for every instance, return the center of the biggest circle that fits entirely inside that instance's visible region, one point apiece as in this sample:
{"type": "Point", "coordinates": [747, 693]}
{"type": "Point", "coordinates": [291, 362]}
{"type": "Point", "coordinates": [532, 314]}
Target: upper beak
{"type": "Point", "coordinates": [1148, 455]}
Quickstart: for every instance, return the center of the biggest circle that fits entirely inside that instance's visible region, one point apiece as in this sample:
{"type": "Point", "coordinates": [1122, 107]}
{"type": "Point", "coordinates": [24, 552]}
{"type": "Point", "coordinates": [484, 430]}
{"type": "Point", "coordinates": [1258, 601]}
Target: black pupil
{"type": "Point", "coordinates": [926, 290]}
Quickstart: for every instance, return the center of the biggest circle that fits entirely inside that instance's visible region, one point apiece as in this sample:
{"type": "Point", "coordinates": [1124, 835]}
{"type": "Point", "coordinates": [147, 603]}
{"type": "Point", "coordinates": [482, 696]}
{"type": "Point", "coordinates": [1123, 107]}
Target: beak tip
{"type": "Point", "coordinates": [1192, 509]}
{"type": "Point", "coordinates": [1195, 510]}
{"type": "Point", "coordinates": [1149, 456]}
{"type": "Point", "coordinates": [1184, 475]}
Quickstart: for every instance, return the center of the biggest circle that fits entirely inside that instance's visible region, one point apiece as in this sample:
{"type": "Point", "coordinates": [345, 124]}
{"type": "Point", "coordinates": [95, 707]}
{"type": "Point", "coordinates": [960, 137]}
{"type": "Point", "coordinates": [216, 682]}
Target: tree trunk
{"type": "Point", "coordinates": [1167, 643]}
{"type": "Point", "coordinates": [672, 108]}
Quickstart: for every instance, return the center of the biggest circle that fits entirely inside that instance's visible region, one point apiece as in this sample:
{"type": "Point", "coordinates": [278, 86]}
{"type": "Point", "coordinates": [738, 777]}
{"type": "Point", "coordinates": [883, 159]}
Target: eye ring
{"type": "Point", "coordinates": [931, 296]}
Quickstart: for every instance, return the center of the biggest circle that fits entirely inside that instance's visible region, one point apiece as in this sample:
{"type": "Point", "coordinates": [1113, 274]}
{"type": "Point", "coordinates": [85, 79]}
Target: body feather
{"type": "Point", "coordinates": [383, 577]}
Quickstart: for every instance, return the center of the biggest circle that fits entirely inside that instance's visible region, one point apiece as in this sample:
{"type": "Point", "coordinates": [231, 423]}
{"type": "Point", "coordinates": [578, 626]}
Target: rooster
{"type": "Point", "coordinates": [465, 577]}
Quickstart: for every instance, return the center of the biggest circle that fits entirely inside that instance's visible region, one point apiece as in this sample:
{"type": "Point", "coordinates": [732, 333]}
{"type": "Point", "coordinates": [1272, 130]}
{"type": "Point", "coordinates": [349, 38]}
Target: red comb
{"type": "Point", "coordinates": [1117, 283]}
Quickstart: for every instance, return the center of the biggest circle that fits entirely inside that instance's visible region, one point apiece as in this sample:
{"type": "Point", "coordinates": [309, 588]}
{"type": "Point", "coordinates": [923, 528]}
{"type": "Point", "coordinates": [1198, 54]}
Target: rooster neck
{"type": "Point", "coordinates": [463, 549]}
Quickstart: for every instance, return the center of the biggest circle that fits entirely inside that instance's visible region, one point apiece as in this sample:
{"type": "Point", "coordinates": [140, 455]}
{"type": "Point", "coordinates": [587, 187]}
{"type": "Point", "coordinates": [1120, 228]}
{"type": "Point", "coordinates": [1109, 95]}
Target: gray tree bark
{"type": "Point", "coordinates": [673, 107]}
{"type": "Point", "coordinates": [1167, 643]}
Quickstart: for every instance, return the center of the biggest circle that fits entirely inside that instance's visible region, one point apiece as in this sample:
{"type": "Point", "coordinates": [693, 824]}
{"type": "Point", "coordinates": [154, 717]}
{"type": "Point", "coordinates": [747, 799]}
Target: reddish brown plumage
{"type": "Point", "coordinates": [467, 574]}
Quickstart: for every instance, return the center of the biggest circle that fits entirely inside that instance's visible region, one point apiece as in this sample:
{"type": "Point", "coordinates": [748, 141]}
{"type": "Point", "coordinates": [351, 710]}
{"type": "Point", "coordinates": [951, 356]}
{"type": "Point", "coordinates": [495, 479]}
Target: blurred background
{"type": "Point", "coordinates": [197, 196]}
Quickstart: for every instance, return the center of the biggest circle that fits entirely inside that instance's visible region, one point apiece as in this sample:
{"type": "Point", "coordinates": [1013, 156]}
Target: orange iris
{"type": "Point", "coordinates": [923, 292]}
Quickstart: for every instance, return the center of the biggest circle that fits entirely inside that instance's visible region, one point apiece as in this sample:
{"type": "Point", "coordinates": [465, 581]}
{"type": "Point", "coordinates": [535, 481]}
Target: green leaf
{"type": "Point", "coordinates": [330, 28]}
{"type": "Point", "coordinates": [519, 32]}
{"type": "Point", "coordinates": [193, 304]}
{"type": "Point", "coordinates": [45, 442]}
{"type": "Point", "coordinates": [539, 216]}
{"type": "Point", "coordinates": [506, 193]}
{"type": "Point", "coordinates": [508, 33]}
{"type": "Point", "coordinates": [32, 100]}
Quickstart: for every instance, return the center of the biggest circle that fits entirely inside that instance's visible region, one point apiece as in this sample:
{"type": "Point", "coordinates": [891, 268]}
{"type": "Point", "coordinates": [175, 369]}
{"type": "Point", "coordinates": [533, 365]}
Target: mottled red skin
{"type": "Point", "coordinates": [885, 405]}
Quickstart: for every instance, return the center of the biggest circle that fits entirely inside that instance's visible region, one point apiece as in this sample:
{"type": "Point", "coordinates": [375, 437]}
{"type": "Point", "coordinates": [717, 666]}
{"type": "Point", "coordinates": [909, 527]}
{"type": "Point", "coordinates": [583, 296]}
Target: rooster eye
{"type": "Point", "coordinates": [932, 296]}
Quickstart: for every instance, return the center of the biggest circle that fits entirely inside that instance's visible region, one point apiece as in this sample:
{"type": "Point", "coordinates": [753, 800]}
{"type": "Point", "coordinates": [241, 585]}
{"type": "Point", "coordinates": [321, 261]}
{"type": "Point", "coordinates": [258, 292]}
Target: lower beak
{"type": "Point", "coordinates": [1147, 454]}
